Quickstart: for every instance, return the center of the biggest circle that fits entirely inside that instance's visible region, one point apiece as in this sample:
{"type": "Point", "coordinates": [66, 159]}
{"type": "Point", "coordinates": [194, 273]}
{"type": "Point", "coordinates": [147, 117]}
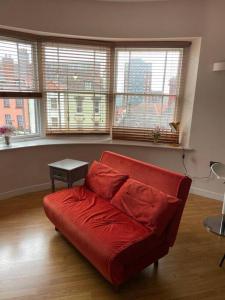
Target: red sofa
{"type": "Point", "coordinates": [117, 239]}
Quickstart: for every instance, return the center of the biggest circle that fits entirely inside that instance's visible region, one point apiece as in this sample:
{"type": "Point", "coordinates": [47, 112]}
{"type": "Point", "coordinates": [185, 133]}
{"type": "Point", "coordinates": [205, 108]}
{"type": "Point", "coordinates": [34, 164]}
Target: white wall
{"type": "Point", "coordinates": [175, 18]}
{"type": "Point", "coordinates": [105, 19]}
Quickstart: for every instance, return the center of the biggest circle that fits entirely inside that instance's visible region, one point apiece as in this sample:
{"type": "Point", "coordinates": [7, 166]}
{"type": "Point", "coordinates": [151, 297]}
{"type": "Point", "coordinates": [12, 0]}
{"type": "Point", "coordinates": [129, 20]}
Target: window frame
{"type": "Point", "coordinates": [145, 133]}
{"type": "Point", "coordinates": [17, 37]}
{"type": "Point", "coordinates": [19, 103]}
{"type": "Point", "coordinates": [38, 123]}
{"type": "Point", "coordinates": [4, 102]}
{"type": "Point", "coordinates": [102, 50]}
{"type": "Point", "coordinates": [8, 119]}
{"type": "Point", "coordinates": [20, 120]}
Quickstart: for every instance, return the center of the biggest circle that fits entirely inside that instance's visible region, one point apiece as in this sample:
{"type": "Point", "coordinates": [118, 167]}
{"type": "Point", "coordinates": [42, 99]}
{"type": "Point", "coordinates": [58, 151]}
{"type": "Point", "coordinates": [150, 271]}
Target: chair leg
{"type": "Point", "coordinates": [156, 264]}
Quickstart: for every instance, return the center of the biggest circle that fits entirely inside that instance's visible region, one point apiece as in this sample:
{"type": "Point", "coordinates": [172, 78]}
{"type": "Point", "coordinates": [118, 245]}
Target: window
{"type": "Point", "coordinates": [96, 103]}
{"type": "Point", "coordinates": [75, 74]}
{"type": "Point", "coordinates": [54, 121]}
{"type": "Point", "coordinates": [54, 103]}
{"type": "Point", "coordinates": [19, 82]}
{"type": "Point", "coordinates": [26, 122]}
{"type": "Point", "coordinates": [147, 88]}
{"type": "Point", "coordinates": [88, 85]}
{"type": "Point", "coordinates": [18, 65]}
{"type": "Point", "coordinates": [8, 119]}
{"type": "Point", "coordinates": [79, 103]}
{"type": "Point", "coordinates": [20, 122]}
{"type": "Point", "coordinates": [19, 103]}
{"type": "Point", "coordinates": [125, 89]}
{"type": "Point", "coordinates": [6, 103]}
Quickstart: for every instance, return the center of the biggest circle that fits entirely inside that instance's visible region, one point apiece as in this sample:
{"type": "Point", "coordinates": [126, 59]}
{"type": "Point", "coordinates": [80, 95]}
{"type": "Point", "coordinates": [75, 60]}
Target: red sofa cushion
{"type": "Point", "coordinates": [147, 205]}
{"type": "Point", "coordinates": [105, 235]}
{"type": "Point", "coordinates": [103, 180]}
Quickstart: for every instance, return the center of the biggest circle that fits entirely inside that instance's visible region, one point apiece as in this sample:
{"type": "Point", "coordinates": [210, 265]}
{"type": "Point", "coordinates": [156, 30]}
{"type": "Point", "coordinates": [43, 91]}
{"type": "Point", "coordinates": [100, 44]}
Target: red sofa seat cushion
{"type": "Point", "coordinates": [103, 180]}
{"type": "Point", "coordinates": [105, 235]}
{"type": "Point", "coordinates": [147, 205]}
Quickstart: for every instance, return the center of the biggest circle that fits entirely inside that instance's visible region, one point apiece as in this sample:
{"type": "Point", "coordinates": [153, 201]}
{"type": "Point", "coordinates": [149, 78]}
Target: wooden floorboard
{"type": "Point", "coordinates": [36, 262]}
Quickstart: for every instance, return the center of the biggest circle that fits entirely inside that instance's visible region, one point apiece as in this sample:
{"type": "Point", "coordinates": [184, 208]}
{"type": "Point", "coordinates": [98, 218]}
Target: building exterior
{"type": "Point", "coordinates": [16, 112]}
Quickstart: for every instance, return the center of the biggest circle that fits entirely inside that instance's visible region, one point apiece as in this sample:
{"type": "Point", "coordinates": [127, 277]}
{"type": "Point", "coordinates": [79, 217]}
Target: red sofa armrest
{"type": "Point", "coordinates": [182, 194]}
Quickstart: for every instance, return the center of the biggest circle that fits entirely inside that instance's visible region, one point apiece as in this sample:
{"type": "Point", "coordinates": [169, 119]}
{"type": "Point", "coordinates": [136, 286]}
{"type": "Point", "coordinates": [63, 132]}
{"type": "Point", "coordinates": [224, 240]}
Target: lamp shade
{"type": "Point", "coordinates": [219, 66]}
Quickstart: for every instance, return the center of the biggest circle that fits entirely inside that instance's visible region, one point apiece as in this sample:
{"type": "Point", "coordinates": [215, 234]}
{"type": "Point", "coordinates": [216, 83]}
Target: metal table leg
{"type": "Point", "coordinates": [222, 260]}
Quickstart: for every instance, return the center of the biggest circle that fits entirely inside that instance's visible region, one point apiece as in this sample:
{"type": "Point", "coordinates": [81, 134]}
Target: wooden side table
{"type": "Point", "coordinates": [67, 170]}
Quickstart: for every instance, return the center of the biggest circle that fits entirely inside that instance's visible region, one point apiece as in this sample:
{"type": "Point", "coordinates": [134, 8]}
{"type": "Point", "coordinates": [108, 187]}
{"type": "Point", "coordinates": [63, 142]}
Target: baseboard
{"type": "Point", "coordinates": [34, 188]}
{"type": "Point", "coordinates": [28, 189]}
{"type": "Point", "coordinates": [206, 193]}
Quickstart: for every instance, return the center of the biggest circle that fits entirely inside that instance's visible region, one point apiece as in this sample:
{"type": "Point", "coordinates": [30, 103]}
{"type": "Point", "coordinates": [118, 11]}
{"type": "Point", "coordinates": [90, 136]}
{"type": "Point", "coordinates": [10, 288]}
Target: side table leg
{"type": "Point", "coordinates": [70, 184]}
{"type": "Point", "coordinates": [222, 260]}
{"type": "Point", "coordinates": [53, 185]}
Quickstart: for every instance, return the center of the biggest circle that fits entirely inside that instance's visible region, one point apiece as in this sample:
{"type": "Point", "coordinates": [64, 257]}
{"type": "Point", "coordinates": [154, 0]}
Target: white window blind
{"type": "Point", "coordinates": [147, 89]}
{"type": "Point", "coordinates": [18, 65]}
{"type": "Point", "coordinates": [77, 77]}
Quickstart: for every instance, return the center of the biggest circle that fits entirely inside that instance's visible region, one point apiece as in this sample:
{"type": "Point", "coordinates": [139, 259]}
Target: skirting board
{"type": "Point", "coordinates": [206, 193]}
{"type": "Point", "coordinates": [33, 188]}
{"type": "Point", "coordinates": [47, 185]}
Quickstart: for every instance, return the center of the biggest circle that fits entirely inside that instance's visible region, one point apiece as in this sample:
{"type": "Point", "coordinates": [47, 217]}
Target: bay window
{"type": "Point", "coordinates": [122, 89]}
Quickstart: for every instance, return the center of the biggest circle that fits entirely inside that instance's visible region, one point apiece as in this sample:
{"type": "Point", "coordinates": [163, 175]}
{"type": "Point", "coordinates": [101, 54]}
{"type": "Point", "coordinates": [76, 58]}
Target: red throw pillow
{"type": "Point", "coordinates": [147, 205]}
{"type": "Point", "coordinates": [103, 180]}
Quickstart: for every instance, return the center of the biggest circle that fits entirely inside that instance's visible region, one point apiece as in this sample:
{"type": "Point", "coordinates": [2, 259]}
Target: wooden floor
{"type": "Point", "coordinates": [37, 263]}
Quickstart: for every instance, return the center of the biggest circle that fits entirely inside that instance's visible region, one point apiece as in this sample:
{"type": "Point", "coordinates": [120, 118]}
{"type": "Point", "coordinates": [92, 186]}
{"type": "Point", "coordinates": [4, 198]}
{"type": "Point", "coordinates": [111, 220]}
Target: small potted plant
{"type": "Point", "coordinates": [6, 131]}
{"type": "Point", "coordinates": [156, 134]}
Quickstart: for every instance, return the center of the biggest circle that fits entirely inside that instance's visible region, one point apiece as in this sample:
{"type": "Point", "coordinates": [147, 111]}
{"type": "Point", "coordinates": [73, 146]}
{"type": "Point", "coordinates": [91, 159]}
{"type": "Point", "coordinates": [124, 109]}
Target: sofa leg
{"type": "Point", "coordinates": [116, 288]}
{"type": "Point", "coordinates": [156, 264]}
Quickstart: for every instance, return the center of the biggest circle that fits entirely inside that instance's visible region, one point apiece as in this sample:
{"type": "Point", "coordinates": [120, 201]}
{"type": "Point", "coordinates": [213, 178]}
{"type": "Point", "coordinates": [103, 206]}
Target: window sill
{"type": "Point", "coordinates": [85, 140]}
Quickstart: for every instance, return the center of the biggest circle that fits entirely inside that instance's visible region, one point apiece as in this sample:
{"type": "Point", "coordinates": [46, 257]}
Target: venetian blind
{"type": "Point", "coordinates": [76, 88]}
{"type": "Point", "coordinates": [18, 67]}
{"type": "Point", "coordinates": [147, 89]}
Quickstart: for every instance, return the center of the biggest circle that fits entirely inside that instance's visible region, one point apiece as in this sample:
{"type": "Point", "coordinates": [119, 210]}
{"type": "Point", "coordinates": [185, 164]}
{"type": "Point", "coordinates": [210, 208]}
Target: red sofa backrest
{"type": "Point", "coordinates": [172, 183]}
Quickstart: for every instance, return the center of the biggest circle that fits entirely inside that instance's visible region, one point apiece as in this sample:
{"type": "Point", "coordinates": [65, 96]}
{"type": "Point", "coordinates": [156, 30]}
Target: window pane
{"type": "Point", "coordinates": [148, 71]}
{"type": "Point", "coordinates": [77, 111]}
{"type": "Point", "coordinates": [75, 68]}
{"type": "Point", "coordinates": [147, 87]}
{"type": "Point", "coordinates": [18, 65]}
{"type": "Point", "coordinates": [144, 111]}
{"type": "Point", "coordinates": [24, 118]}
{"type": "Point", "coordinates": [78, 77]}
